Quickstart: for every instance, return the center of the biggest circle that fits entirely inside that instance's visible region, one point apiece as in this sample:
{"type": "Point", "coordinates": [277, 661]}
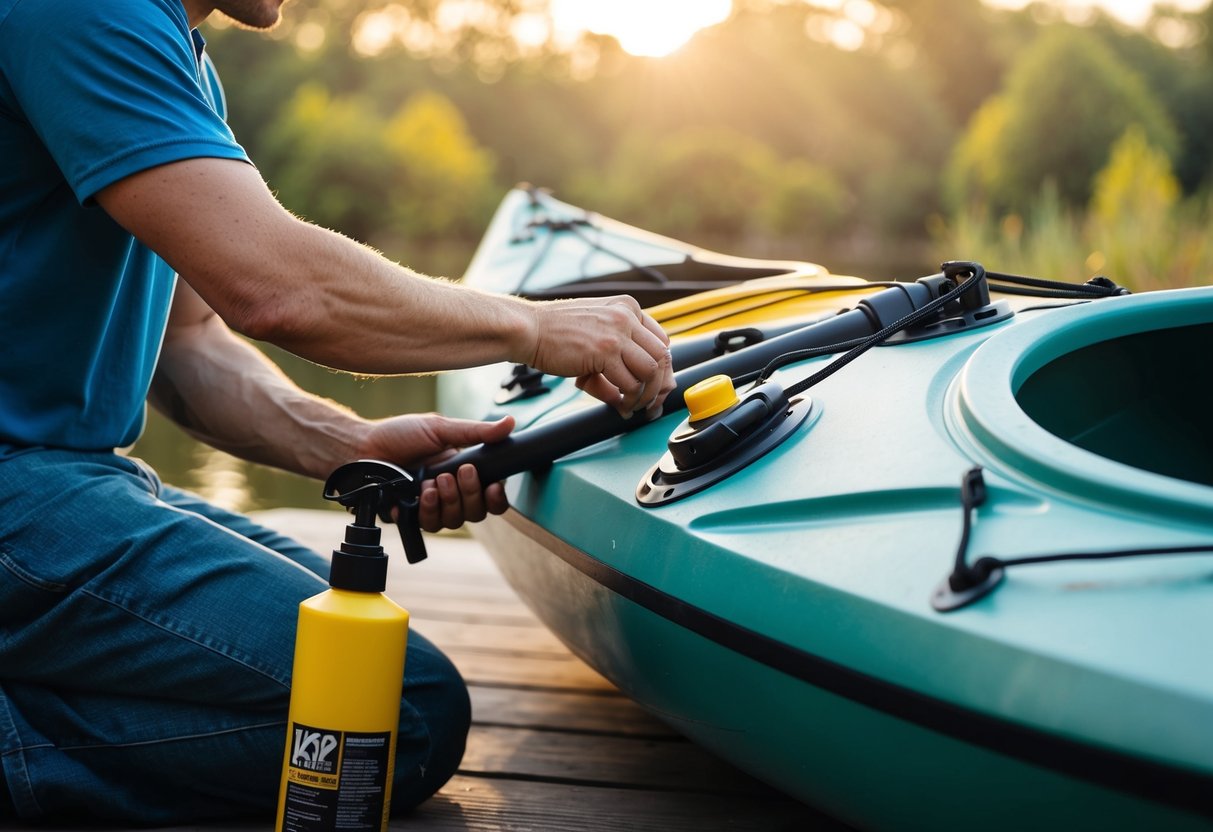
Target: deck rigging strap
{"type": "Point", "coordinates": [574, 226]}
{"type": "Point", "coordinates": [969, 582]}
{"type": "Point", "coordinates": [1096, 287]}
{"type": "Point", "coordinates": [1018, 284]}
{"type": "Point", "coordinates": [951, 270]}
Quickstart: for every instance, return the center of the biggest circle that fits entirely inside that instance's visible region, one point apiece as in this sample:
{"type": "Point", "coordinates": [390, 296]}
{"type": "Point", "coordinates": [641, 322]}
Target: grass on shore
{"type": "Point", "coordinates": [1136, 230]}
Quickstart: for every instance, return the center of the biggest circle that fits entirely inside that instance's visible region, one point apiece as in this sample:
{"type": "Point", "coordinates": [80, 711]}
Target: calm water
{"type": "Point", "coordinates": [235, 484]}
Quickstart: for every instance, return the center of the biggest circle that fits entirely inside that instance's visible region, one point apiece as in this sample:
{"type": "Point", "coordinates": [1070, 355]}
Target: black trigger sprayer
{"type": "Point", "coordinates": [349, 664]}
{"type": "Point", "coordinates": [372, 488]}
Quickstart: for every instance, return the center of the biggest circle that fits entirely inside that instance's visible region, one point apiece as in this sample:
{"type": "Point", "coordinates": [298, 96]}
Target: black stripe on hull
{"type": "Point", "coordinates": [1178, 787]}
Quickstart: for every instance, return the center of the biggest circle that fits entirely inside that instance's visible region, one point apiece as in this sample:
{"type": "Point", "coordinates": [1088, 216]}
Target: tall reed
{"type": "Point", "coordinates": [1137, 229]}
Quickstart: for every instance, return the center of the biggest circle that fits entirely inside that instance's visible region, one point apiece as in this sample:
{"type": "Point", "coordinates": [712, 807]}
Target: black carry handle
{"type": "Point", "coordinates": [542, 444]}
{"type": "Point", "coordinates": [546, 442]}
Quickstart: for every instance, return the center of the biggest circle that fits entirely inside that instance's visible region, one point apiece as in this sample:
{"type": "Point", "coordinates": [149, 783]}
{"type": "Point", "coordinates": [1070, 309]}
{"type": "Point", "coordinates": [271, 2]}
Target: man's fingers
{"type": "Point", "coordinates": [448, 495]}
{"type": "Point", "coordinates": [450, 501]}
{"type": "Point", "coordinates": [651, 337]}
{"type": "Point", "coordinates": [600, 388]}
{"type": "Point", "coordinates": [429, 513]}
{"type": "Point", "coordinates": [645, 319]}
{"type": "Point", "coordinates": [494, 497]}
{"type": "Point", "coordinates": [658, 376]}
{"type": "Point", "coordinates": [616, 350]}
{"type": "Point", "coordinates": [652, 326]}
{"type": "Point", "coordinates": [644, 380]}
{"type": "Point", "coordinates": [462, 432]}
{"type": "Point", "coordinates": [623, 390]}
{"type": "Point", "coordinates": [470, 494]}
{"type": "Point", "coordinates": [442, 504]}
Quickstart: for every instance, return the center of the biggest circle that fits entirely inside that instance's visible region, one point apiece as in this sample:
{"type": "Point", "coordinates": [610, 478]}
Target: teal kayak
{"type": "Point", "coordinates": [962, 580]}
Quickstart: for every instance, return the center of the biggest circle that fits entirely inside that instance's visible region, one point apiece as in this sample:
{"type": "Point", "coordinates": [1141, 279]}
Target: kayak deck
{"type": "Point", "coordinates": [829, 549]}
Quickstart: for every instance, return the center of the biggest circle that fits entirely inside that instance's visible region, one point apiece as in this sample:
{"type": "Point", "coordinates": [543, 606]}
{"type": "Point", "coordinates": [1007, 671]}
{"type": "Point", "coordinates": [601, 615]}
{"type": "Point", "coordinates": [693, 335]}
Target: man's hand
{"type": "Point", "coordinates": [273, 277]}
{"type": "Point", "coordinates": [615, 350]}
{"type": "Point", "coordinates": [424, 439]}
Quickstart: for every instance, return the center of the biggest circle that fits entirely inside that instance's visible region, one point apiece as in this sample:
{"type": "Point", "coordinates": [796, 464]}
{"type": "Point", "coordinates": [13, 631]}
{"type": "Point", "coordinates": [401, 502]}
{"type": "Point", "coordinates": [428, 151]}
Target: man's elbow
{"type": "Point", "coordinates": [273, 319]}
{"type": "Point", "coordinates": [255, 309]}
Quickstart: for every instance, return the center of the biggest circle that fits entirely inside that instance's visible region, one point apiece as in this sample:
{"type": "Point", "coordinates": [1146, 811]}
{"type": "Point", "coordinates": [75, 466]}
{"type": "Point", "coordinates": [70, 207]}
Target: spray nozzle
{"type": "Point", "coordinates": [370, 489]}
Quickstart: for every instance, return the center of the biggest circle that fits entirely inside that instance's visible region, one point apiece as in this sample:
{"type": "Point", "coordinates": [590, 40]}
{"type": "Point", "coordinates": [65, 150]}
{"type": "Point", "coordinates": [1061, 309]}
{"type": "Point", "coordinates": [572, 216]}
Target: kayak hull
{"type": "Point", "coordinates": [783, 616]}
{"type": "Point", "coordinates": [854, 761]}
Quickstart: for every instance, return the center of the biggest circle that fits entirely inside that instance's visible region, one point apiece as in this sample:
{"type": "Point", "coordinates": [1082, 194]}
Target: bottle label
{"type": "Point", "coordinates": [336, 781]}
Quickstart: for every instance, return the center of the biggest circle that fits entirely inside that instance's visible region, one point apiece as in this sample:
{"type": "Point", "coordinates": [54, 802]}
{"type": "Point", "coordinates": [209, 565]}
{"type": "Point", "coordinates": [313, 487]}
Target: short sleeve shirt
{"type": "Point", "coordinates": [91, 91]}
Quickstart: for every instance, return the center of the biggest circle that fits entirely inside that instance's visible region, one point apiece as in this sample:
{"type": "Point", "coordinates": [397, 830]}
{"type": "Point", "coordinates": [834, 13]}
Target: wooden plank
{"type": "Point", "coordinates": [530, 638]}
{"type": "Point", "coordinates": [590, 713]}
{"type": "Point", "coordinates": [450, 553]}
{"type": "Point", "coordinates": [476, 804]}
{"type": "Point", "coordinates": [449, 606]}
{"type": "Point", "coordinates": [455, 609]}
{"type": "Point", "coordinates": [495, 594]}
{"type": "Point", "coordinates": [508, 612]}
{"type": "Point", "coordinates": [481, 575]}
{"type": "Point", "coordinates": [473, 804]}
{"type": "Point", "coordinates": [500, 668]}
{"type": "Point", "coordinates": [635, 762]}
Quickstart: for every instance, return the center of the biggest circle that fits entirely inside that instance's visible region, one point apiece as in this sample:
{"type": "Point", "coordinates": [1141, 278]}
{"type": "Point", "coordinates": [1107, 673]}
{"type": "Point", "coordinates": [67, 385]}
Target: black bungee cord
{"type": "Point", "coordinates": [969, 582]}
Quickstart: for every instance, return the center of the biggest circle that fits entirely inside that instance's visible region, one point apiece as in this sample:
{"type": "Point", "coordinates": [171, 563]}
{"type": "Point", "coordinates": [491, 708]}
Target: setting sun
{"type": "Point", "coordinates": [647, 28]}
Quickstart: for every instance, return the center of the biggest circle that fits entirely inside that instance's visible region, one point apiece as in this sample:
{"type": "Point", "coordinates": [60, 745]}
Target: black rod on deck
{"type": "Point", "coordinates": [551, 439]}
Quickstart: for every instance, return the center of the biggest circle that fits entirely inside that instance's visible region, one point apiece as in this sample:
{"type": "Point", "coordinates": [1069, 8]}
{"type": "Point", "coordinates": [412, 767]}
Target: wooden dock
{"type": "Point", "coordinates": [553, 745]}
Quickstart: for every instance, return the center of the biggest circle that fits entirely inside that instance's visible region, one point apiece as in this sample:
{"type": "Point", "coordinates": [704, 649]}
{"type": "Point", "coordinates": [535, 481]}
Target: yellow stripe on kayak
{"type": "Point", "coordinates": [759, 301]}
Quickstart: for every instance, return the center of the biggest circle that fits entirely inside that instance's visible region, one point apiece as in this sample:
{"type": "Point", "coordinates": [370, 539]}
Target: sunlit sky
{"type": "Point", "coordinates": [649, 28]}
{"type": "Point", "coordinates": [655, 28]}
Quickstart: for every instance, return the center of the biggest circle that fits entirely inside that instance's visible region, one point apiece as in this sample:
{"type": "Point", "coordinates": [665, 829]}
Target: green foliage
{"type": "Point", "coordinates": [1137, 231]}
{"type": "Point", "coordinates": [1136, 182]}
{"type": "Point", "coordinates": [758, 135]}
{"type": "Point", "coordinates": [443, 183]}
{"type": "Point", "coordinates": [1181, 81]}
{"type": "Point", "coordinates": [417, 176]}
{"type": "Point", "coordinates": [804, 202]}
{"type": "Point", "coordinates": [961, 48]}
{"type": "Point", "coordinates": [1066, 102]}
{"type": "Point", "coordinates": [328, 160]}
{"type": "Point", "coordinates": [717, 183]}
{"type": "Point", "coordinates": [1136, 225]}
{"type": "Point", "coordinates": [693, 181]}
{"type": "Point", "coordinates": [976, 173]}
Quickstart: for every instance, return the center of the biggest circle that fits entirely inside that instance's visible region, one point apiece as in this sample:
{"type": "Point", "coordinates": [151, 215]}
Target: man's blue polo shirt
{"type": "Point", "coordinates": [91, 91]}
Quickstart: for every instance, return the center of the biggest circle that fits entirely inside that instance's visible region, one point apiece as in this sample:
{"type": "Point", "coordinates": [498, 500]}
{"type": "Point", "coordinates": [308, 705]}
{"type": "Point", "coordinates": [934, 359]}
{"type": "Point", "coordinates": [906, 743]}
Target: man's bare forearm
{"type": "Point", "coordinates": [274, 277]}
{"type": "Point", "coordinates": [309, 290]}
{"type": "Point", "coordinates": [224, 392]}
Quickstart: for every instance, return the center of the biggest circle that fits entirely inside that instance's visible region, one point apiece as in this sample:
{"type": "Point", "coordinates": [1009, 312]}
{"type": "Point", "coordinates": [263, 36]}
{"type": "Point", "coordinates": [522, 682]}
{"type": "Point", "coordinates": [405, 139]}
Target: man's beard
{"type": "Point", "coordinates": [252, 14]}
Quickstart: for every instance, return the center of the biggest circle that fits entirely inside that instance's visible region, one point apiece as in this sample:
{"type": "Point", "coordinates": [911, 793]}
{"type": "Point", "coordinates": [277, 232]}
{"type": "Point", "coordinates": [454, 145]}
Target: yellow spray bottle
{"type": "Point", "coordinates": [348, 672]}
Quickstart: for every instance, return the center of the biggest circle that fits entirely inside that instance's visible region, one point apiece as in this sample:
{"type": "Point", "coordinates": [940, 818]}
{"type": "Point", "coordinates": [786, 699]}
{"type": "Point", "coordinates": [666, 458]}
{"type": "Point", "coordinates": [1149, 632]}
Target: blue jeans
{"type": "Point", "coordinates": [146, 642]}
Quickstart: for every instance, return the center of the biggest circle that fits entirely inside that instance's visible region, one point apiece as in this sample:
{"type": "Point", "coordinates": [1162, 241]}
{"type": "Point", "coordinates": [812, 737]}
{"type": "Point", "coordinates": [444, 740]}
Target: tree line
{"type": "Point", "coordinates": [864, 133]}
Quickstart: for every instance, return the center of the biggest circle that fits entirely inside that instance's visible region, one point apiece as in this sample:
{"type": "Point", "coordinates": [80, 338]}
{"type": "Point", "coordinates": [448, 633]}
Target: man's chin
{"type": "Point", "coordinates": [256, 16]}
{"type": "Point", "coordinates": [255, 26]}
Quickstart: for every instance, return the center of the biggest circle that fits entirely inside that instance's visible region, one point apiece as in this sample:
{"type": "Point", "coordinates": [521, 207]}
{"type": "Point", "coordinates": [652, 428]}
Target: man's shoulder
{"type": "Point", "coordinates": [22, 18]}
{"type": "Point", "coordinates": [83, 37]}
